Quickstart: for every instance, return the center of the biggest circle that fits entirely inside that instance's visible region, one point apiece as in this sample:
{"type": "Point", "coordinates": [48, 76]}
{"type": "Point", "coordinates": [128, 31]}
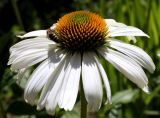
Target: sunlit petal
{"type": "Point", "coordinates": [37, 33]}
{"type": "Point", "coordinates": [127, 66]}
{"type": "Point", "coordinates": [91, 82]}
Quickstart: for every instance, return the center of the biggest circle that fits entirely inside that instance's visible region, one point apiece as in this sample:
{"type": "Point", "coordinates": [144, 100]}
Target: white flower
{"type": "Point", "coordinates": [69, 50]}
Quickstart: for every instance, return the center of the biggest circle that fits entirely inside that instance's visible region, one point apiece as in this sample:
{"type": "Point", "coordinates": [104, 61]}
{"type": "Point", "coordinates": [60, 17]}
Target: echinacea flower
{"type": "Point", "coordinates": [70, 50]}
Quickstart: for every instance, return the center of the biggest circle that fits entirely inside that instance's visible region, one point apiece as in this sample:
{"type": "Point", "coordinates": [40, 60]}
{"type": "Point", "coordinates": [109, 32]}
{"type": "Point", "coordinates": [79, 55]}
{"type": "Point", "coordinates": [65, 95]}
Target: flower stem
{"type": "Point", "coordinates": [83, 103]}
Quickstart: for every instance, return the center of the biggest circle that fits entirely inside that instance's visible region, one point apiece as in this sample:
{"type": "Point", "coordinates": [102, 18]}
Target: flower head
{"type": "Point", "coordinates": [79, 31]}
{"type": "Point", "coordinates": [71, 48]}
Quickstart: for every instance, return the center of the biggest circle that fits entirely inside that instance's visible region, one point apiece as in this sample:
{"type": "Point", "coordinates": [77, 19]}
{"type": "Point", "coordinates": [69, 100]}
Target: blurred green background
{"type": "Point", "coordinates": [20, 16]}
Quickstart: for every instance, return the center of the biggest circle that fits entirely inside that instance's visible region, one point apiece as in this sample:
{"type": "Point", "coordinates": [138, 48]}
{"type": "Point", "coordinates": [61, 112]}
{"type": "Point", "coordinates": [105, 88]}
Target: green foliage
{"type": "Point", "coordinates": [19, 16]}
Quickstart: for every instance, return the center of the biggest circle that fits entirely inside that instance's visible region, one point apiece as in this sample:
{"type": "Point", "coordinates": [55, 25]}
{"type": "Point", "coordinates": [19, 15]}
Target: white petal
{"type": "Point", "coordinates": [112, 24]}
{"type": "Point", "coordinates": [37, 33]}
{"type": "Point", "coordinates": [120, 29]}
{"type": "Point", "coordinates": [70, 85]}
{"type": "Point", "coordinates": [40, 76]}
{"type": "Point", "coordinates": [91, 82]}
{"type": "Point", "coordinates": [28, 47]}
{"type": "Point", "coordinates": [53, 95]}
{"type": "Point", "coordinates": [127, 66]}
{"type": "Point", "coordinates": [135, 53]}
{"type": "Point", "coordinates": [57, 73]}
{"type": "Point", "coordinates": [53, 26]}
{"type": "Point", "coordinates": [27, 60]}
{"type": "Point", "coordinates": [31, 43]}
{"type": "Point", "coordinates": [37, 81]}
{"type": "Point", "coordinates": [16, 56]}
{"type": "Point", "coordinates": [127, 31]}
{"type": "Point", "coordinates": [145, 89]}
{"type": "Point", "coordinates": [105, 80]}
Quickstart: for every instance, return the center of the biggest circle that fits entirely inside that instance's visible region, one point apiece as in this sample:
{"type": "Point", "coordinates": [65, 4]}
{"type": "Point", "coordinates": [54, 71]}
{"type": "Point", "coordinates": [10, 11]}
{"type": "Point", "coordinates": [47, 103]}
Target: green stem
{"type": "Point", "coordinates": [146, 25]}
{"type": "Point", "coordinates": [102, 3]}
{"type": "Point", "coordinates": [83, 103]}
{"type": "Point", "coordinates": [17, 13]}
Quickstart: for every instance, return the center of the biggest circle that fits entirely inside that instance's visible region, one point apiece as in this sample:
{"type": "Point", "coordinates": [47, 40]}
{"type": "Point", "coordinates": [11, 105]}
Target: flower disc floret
{"type": "Point", "coordinates": [79, 31]}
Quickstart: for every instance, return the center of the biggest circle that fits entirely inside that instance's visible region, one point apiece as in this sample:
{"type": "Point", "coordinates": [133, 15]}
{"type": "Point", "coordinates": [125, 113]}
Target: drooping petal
{"type": "Point", "coordinates": [120, 29]}
{"type": "Point", "coordinates": [41, 75]}
{"type": "Point", "coordinates": [37, 81]}
{"type": "Point", "coordinates": [28, 56]}
{"type": "Point", "coordinates": [37, 33]}
{"type": "Point", "coordinates": [29, 47]}
{"type": "Point", "coordinates": [52, 87]}
{"type": "Point", "coordinates": [91, 82]}
{"type": "Point", "coordinates": [126, 65]}
{"type": "Point", "coordinates": [112, 24]}
{"type": "Point", "coordinates": [31, 43]}
{"type": "Point", "coordinates": [19, 54]}
{"type": "Point", "coordinates": [70, 85]}
{"type": "Point", "coordinates": [127, 31]}
{"type": "Point", "coordinates": [52, 96]}
{"type": "Point", "coordinates": [27, 60]}
{"type": "Point", "coordinates": [36, 40]}
{"type": "Point", "coordinates": [135, 53]}
{"type": "Point", "coordinates": [105, 80]}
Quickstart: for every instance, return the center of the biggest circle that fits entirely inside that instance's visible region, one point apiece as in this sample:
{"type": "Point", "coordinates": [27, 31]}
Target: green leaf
{"type": "Point", "coordinates": [125, 96]}
{"type": "Point", "coordinates": [149, 97]}
{"type": "Point", "coordinates": [71, 114]}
